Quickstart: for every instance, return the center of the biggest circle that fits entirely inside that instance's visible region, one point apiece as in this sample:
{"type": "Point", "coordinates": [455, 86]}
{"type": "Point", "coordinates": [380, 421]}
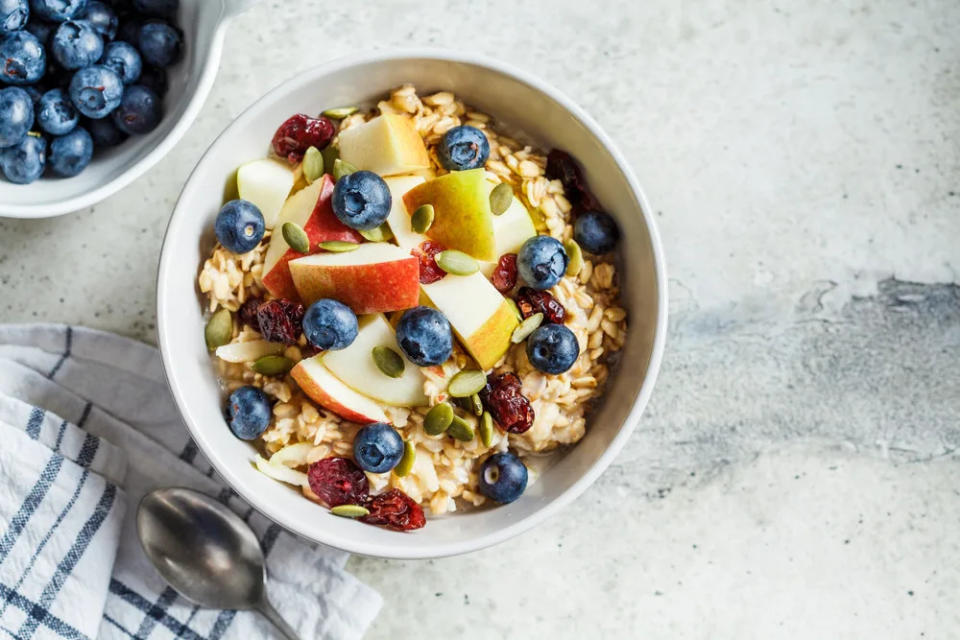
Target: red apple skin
{"type": "Point", "coordinates": [366, 288]}
{"type": "Point", "coordinates": [319, 395]}
{"type": "Point", "coordinates": [322, 226]}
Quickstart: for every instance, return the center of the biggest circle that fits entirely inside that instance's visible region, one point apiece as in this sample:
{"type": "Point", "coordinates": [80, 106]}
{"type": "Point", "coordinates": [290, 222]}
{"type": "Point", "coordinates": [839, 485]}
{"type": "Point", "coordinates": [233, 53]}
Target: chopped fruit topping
{"type": "Point", "coordinates": [504, 277]}
{"type": "Point", "coordinates": [426, 254]}
{"type": "Point", "coordinates": [299, 133]}
{"type": "Point", "coordinates": [338, 481]}
{"type": "Point", "coordinates": [530, 302]}
{"type": "Point", "coordinates": [394, 510]}
{"type": "Point", "coordinates": [248, 312]}
{"type": "Point", "coordinates": [509, 407]}
{"type": "Point", "coordinates": [561, 166]}
{"type": "Point", "coordinates": [280, 320]}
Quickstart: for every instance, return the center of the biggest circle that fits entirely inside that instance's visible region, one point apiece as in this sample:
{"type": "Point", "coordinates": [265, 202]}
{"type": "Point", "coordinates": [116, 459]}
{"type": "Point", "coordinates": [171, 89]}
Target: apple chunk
{"type": "Point", "coordinates": [356, 367]}
{"type": "Point", "coordinates": [326, 390]}
{"type": "Point", "coordinates": [399, 218]}
{"type": "Point", "coordinates": [373, 278]}
{"type": "Point", "coordinates": [387, 145]}
{"type": "Point", "coordinates": [266, 183]}
{"type": "Point", "coordinates": [310, 208]}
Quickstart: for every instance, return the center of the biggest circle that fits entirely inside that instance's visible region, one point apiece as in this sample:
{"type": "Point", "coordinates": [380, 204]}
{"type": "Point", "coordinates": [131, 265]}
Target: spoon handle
{"type": "Point", "coordinates": [273, 616]}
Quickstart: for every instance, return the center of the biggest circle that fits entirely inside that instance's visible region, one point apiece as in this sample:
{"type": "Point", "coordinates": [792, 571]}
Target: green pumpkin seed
{"type": "Point", "coordinates": [516, 309]}
{"type": "Point", "coordinates": [476, 405]}
{"type": "Point", "coordinates": [486, 429]}
{"type": "Point", "coordinates": [406, 462]}
{"type": "Point", "coordinates": [575, 256]}
{"type": "Point", "coordinates": [422, 218]}
{"type": "Point", "coordinates": [312, 164]}
{"type": "Point", "coordinates": [460, 429]}
{"type": "Point", "coordinates": [526, 327]}
{"type": "Point", "coordinates": [466, 383]}
{"type": "Point", "coordinates": [272, 365]}
{"type": "Point", "coordinates": [388, 361]}
{"type": "Point", "coordinates": [350, 511]}
{"type": "Point", "coordinates": [338, 246]}
{"type": "Point", "coordinates": [500, 198]}
{"type": "Point", "coordinates": [457, 262]}
{"type": "Point", "coordinates": [339, 113]}
{"type": "Point", "coordinates": [330, 154]}
{"type": "Point", "coordinates": [438, 419]}
{"type": "Point", "coordinates": [378, 234]}
{"type": "Point", "coordinates": [296, 237]}
{"type": "Point", "coordinates": [342, 168]}
{"type": "Point", "coordinates": [219, 329]}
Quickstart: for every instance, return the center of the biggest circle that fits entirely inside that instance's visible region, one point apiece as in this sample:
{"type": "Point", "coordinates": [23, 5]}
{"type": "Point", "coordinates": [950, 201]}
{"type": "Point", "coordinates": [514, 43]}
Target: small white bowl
{"type": "Point", "coordinates": [203, 23]}
{"type": "Point", "coordinates": [521, 102]}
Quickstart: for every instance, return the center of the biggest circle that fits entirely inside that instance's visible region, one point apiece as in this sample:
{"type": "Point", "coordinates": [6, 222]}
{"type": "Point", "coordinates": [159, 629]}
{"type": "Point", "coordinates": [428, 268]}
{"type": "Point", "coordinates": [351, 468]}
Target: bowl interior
{"type": "Point", "coordinates": [517, 103]}
{"type": "Point", "coordinates": [52, 196]}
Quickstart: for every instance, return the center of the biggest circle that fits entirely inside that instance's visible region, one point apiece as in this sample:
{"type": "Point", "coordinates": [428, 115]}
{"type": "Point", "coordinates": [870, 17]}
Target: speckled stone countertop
{"type": "Point", "coordinates": [795, 474]}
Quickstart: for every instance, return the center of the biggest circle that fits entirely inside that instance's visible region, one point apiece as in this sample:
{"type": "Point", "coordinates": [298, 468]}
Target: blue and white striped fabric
{"type": "Point", "coordinates": [88, 427]}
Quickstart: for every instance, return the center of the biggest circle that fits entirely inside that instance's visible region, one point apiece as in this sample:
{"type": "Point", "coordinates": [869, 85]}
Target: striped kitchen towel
{"type": "Point", "coordinates": [88, 428]}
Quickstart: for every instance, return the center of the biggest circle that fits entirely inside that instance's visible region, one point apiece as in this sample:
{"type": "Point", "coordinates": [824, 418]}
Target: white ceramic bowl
{"type": "Point", "coordinates": [520, 101]}
{"type": "Point", "coordinates": [203, 23]}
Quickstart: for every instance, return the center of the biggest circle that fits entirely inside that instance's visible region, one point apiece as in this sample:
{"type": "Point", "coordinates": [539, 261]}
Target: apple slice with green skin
{"type": "Point", "coordinates": [399, 218]}
{"type": "Point", "coordinates": [462, 216]}
{"type": "Point", "coordinates": [387, 145]}
{"type": "Point", "coordinates": [326, 390]}
{"type": "Point", "coordinates": [311, 209]}
{"type": "Point", "coordinates": [355, 366]}
{"type": "Point", "coordinates": [511, 229]}
{"type": "Point", "coordinates": [266, 183]}
{"type": "Point", "coordinates": [373, 278]}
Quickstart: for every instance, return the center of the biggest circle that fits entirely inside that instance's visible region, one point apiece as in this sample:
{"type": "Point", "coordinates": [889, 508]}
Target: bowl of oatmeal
{"type": "Point", "coordinates": [412, 303]}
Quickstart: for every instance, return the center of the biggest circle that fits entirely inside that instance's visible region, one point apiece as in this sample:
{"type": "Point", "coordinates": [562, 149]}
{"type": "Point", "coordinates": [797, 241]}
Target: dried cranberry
{"type": "Point", "coordinates": [394, 510]}
{"type": "Point", "coordinates": [504, 276]}
{"type": "Point", "coordinates": [507, 404]}
{"type": "Point", "coordinates": [561, 166]}
{"type": "Point", "coordinates": [301, 132]}
{"type": "Point", "coordinates": [426, 253]}
{"type": "Point", "coordinates": [531, 301]}
{"type": "Point", "coordinates": [248, 313]}
{"type": "Point", "coordinates": [279, 320]}
{"type": "Point", "coordinates": [338, 481]}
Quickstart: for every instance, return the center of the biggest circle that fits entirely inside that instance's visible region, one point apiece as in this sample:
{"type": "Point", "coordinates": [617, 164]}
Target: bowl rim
{"type": "Point", "coordinates": [359, 546]}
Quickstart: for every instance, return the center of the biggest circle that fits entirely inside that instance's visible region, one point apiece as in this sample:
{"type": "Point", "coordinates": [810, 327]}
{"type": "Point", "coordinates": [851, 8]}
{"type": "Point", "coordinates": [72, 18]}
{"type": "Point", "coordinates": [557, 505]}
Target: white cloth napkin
{"type": "Point", "coordinates": [88, 427]}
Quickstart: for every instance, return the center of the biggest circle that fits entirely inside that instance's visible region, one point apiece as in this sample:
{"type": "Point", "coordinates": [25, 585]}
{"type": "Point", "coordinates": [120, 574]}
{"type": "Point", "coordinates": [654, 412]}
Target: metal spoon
{"type": "Point", "coordinates": [206, 552]}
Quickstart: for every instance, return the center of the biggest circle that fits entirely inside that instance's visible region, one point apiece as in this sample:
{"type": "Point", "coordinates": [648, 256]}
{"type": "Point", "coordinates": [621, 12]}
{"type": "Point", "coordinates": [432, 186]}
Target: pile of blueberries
{"type": "Point", "coordinates": [78, 75]}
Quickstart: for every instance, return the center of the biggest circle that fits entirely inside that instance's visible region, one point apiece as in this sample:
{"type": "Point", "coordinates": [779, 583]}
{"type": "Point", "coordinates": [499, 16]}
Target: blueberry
{"type": "Point", "coordinates": [159, 8]}
{"type": "Point", "coordinates": [159, 43]}
{"type": "Point", "coordinates": [248, 412]}
{"type": "Point", "coordinates": [70, 154]}
{"type": "Point", "coordinates": [123, 58]}
{"type": "Point", "coordinates": [541, 262]}
{"type": "Point", "coordinates": [425, 337]}
{"type": "Point", "coordinates": [329, 324]}
{"type": "Point", "coordinates": [76, 44]}
{"type": "Point", "coordinates": [24, 59]}
{"type": "Point", "coordinates": [13, 15]}
{"type": "Point", "coordinates": [16, 115]}
{"type": "Point", "coordinates": [239, 226]}
{"type": "Point", "coordinates": [101, 17]}
{"type": "Point", "coordinates": [361, 200]}
{"type": "Point", "coordinates": [139, 110]}
{"type": "Point", "coordinates": [104, 132]}
{"type": "Point", "coordinates": [41, 29]}
{"type": "Point", "coordinates": [552, 348]}
{"type": "Point", "coordinates": [596, 232]}
{"type": "Point", "coordinates": [503, 478]}
{"type": "Point", "coordinates": [377, 447]}
{"type": "Point", "coordinates": [57, 10]}
{"type": "Point", "coordinates": [24, 162]}
{"type": "Point", "coordinates": [96, 91]}
{"type": "Point", "coordinates": [56, 114]}
{"type": "Point", "coordinates": [154, 78]}
{"type": "Point", "coordinates": [463, 148]}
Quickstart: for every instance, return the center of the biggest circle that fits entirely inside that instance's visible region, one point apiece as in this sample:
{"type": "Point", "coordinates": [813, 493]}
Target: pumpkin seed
{"type": "Point", "coordinates": [342, 168]}
{"type": "Point", "coordinates": [296, 237]}
{"type": "Point", "coordinates": [516, 309]}
{"type": "Point", "coordinates": [526, 327]}
{"type": "Point", "coordinates": [457, 262]}
{"type": "Point", "coordinates": [272, 365]}
{"type": "Point", "coordinates": [438, 419]}
{"type": "Point", "coordinates": [406, 462]}
{"type": "Point", "coordinates": [339, 113]}
{"type": "Point", "coordinates": [219, 329]}
{"type": "Point", "coordinates": [378, 234]}
{"type": "Point", "coordinates": [476, 405]}
{"type": "Point", "coordinates": [500, 198]}
{"type": "Point", "coordinates": [338, 246]}
{"type": "Point", "coordinates": [422, 218]}
{"type": "Point", "coordinates": [350, 511]}
{"type": "Point", "coordinates": [312, 164]}
{"type": "Point", "coordinates": [388, 361]}
{"type": "Point", "coordinates": [486, 429]}
{"type": "Point", "coordinates": [575, 256]}
{"type": "Point", "coordinates": [466, 383]}
{"type": "Point", "coordinates": [330, 154]}
{"type": "Point", "coordinates": [460, 429]}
